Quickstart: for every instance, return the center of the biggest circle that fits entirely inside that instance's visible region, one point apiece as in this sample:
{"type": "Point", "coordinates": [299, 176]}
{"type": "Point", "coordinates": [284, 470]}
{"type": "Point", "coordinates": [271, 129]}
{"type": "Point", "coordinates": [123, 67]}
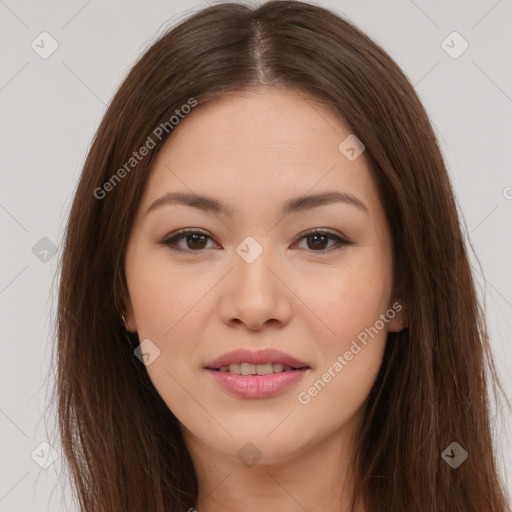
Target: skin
{"type": "Point", "coordinates": [253, 151]}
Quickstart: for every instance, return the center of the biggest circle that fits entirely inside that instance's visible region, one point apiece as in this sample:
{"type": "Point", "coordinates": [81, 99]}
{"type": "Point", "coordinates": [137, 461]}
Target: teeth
{"type": "Point", "coordinates": [255, 369]}
{"type": "Point", "coordinates": [234, 368]}
{"type": "Point", "coordinates": [264, 369]}
{"type": "Point", "coordinates": [247, 369]}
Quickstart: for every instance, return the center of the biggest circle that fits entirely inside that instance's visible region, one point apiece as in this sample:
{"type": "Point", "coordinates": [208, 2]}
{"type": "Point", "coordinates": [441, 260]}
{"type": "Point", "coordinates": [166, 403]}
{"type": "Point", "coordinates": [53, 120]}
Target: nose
{"type": "Point", "coordinates": [255, 293]}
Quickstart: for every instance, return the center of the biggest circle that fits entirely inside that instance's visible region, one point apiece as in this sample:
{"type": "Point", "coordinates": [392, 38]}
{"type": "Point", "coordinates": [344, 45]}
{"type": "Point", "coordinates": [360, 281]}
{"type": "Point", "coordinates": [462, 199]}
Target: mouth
{"type": "Point", "coordinates": [256, 375]}
{"type": "Point", "coordinates": [262, 362]}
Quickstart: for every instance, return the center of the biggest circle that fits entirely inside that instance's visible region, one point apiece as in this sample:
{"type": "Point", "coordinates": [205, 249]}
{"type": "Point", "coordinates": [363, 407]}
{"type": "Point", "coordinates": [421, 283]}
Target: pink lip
{"type": "Point", "coordinates": [256, 386]}
{"type": "Point", "coordinates": [259, 357]}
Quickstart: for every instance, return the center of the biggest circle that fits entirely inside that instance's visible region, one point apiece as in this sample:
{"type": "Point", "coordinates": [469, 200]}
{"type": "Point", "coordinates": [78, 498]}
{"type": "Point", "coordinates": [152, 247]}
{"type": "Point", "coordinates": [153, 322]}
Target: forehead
{"type": "Point", "coordinates": [265, 119]}
{"type": "Point", "coordinates": [264, 145]}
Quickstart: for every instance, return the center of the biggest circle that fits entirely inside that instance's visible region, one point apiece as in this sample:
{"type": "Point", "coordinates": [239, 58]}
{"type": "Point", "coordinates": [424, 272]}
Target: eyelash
{"type": "Point", "coordinates": [170, 241]}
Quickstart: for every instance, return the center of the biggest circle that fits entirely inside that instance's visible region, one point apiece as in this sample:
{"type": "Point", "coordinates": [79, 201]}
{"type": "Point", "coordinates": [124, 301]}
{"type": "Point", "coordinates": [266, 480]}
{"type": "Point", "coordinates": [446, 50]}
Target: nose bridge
{"type": "Point", "coordinates": [252, 261]}
{"type": "Point", "coordinates": [255, 294]}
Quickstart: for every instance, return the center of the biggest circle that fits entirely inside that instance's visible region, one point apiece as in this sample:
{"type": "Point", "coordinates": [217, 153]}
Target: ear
{"type": "Point", "coordinates": [397, 316]}
{"type": "Point", "coordinates": [131, 324]}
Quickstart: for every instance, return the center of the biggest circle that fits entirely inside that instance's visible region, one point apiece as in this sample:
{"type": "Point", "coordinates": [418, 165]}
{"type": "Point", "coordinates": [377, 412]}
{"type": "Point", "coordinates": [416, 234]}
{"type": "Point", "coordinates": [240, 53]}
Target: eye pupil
{"type": "Point", "coordinates": [196, 237]}
{"type": "Point", "coordinates": [316, 237]}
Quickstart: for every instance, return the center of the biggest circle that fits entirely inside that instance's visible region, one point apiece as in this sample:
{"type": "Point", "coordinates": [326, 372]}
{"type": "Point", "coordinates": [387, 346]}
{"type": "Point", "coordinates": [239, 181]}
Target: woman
{"type": "Point", "coordinates": [265, 298]}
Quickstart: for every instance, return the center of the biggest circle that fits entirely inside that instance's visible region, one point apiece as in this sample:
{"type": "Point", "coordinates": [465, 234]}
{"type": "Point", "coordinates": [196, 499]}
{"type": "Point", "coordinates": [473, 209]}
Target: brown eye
{"type": "Point", "coordinates": [195, 241]}
{"type": "Point", "coordinates": [318, 240]}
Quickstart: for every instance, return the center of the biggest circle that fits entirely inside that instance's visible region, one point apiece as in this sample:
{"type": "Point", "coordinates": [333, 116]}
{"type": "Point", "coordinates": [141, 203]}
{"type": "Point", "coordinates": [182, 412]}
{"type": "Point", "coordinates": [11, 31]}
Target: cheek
{"type": "Point", "coordinates": [171, 308]}
{"type": "Point", "coordinates": [350, 353]}
{"type": "Point", "coordinates": [352, 347]}
{"type": "Point", "coordinates": [352, 301]}
{"type": "Point", "coordinates": [167, 306]}
{"type": "Point", "coordinates": [162, 296]}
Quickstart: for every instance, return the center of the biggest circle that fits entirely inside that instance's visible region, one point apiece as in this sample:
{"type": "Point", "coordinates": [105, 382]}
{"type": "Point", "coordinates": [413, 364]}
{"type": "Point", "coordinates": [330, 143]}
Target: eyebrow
{"type": "Point", "coordinates": [298, 204]}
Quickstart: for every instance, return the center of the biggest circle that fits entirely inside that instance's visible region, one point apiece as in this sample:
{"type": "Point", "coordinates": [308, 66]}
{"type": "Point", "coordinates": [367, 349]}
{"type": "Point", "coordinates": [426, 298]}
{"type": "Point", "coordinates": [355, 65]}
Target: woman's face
{"type": "Point", "coordinates": [250, 277]}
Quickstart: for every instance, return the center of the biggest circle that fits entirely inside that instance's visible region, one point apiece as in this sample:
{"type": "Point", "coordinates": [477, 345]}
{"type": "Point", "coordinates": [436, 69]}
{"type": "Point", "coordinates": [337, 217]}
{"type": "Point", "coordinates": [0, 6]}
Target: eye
{"type": "Point", "coordinates": [196, 239]}
{"type": "Point", "coordinates": [318, 239]}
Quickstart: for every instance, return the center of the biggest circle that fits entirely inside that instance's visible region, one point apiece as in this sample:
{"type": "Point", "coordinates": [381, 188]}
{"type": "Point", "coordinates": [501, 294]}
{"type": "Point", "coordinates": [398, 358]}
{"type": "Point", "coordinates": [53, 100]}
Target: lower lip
{"type": "Point", "coordinates": [257, 386]}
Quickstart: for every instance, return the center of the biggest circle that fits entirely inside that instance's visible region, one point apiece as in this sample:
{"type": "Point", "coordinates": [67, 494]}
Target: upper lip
{"type": "Point", "coordinates": [255, 357]}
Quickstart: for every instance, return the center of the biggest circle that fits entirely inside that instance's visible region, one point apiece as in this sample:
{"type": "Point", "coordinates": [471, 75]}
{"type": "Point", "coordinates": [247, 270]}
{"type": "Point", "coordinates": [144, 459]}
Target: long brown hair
{"type": "Point", "coordinates": [121, 442]}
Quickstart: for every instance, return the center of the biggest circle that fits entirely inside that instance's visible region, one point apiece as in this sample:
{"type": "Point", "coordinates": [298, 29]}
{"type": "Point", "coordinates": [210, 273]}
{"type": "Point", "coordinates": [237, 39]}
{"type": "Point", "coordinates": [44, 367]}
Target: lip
{"type": "Point", "coordinates": [269, 355]}
{"type": "Point", "coordinates": [256, 386]}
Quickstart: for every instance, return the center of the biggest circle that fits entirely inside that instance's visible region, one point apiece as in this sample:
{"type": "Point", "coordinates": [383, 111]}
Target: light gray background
{"type": "Point", "coordinates": [50, 109]}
